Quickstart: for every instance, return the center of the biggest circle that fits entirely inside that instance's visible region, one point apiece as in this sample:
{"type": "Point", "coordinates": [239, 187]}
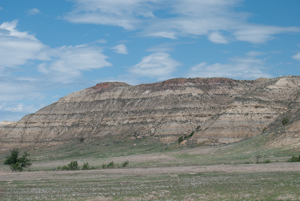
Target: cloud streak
{"type": "Point", "coordinates": [159, 65]}
{"type": "Point", "coordinates": [183, 18]}
{"type": "Point", "coordinates": [67, 62]}
{"type": "Point", "coordinates": [247, 67]}
{"type": "Point", "coordinates": [17, 48]}
{"type": "Point", "coordinates": [34, 11]}
{"type": "Point", "coordinates": [120, 49]}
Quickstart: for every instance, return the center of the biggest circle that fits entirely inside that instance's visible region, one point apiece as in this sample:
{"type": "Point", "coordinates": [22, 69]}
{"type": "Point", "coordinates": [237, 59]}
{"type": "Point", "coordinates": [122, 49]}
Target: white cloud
{"type": "Point", "coordinates": [116, 13]}
{"type": "Point", "coordinates": [101, 41]}
{"type": "Point", "coordinates": [260, 34]}
{"type": "Point", "coordinates": [296, 56]}
{"type": "Point", "coordinates": [67, 62]}
{"type": "Point", "coordinates": [248, 67]}
{"type": "Point", "coordinates": [158, 64]}
{"type": "Point", "coordinates": [34, 11]}
{"type": "Point", "coordinates": [13, 90]}
{"type": "Point", "coordinates": [20, 107]}
{"type": "Point", "coordinates": [120, 49]}
{"type": "Point", "coordinates": [182, 18]}
{"type": "Point", "coordinates": [167, 47]}
{"type": "Point", "coordinates": [1, 8]}
{"type": "Point", "coordinates": [17, 48]}
{"type": "Point", "coordinates": [216, 37]}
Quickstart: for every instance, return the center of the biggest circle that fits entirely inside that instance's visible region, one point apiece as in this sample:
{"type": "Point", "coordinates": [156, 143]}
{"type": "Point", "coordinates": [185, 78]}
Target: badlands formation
{"type": "Point", "coordinates": [219, 110]}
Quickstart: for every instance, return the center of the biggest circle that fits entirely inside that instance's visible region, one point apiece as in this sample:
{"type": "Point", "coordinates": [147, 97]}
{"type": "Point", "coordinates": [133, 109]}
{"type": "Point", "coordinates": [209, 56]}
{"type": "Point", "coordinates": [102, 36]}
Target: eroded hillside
{"type": "Point", "coordinates": [223, 110]}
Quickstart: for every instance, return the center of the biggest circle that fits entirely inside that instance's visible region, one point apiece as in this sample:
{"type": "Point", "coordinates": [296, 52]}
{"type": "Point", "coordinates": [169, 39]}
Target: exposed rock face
{"type": "Point", "coordinates": [227, 110]}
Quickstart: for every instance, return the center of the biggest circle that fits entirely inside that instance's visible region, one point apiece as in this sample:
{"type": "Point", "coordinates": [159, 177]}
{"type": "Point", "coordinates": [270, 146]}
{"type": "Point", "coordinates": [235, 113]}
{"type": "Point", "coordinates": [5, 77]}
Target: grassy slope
{"type": "Point", "coordinates": [200, 186]}
{"type": "Point", "coordinates": [97, 152]}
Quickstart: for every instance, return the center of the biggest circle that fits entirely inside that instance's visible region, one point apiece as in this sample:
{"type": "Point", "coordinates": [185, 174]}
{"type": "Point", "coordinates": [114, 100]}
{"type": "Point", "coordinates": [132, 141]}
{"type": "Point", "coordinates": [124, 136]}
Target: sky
{"type": "Point", "coordinates": [49, 49]}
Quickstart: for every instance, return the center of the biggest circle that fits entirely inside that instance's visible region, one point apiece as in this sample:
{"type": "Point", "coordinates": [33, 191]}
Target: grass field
{"type": "Point", "coordinates": [156, 172]}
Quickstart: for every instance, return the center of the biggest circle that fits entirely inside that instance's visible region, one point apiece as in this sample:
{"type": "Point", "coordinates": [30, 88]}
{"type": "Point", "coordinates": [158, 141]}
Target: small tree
{"type": "Point", "coordinates": [86, 166]}
{"type": "Point", "coordinates": [73, 166]}
{"type": "Point", "coordinates": [180, 139]}
{"type": "Point", "coordinates": [285, 120]}
{"type": "Point", "coordinates": [124, 164]}
{"type": "Point", "coordinates": [15, 163]}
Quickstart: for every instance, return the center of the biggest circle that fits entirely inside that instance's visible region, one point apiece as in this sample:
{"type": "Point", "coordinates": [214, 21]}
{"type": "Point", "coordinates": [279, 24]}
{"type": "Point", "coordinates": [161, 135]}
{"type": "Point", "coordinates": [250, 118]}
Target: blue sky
{"type": "Point", "coordinates": [49, 49]}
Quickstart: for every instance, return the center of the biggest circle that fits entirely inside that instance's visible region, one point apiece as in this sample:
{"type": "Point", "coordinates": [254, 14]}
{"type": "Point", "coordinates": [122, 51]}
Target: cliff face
{"type": "Point", "coordinates": [224, 110]}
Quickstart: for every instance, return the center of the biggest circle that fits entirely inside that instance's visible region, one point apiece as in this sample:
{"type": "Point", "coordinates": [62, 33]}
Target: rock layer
{"type": "Point", "coordinates": [221, 109]}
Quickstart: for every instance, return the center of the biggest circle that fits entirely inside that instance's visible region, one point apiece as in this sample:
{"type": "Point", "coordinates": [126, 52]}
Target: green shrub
{"type": "Point", "coordinates": [198, 128]}
{"type": "Point", "coordinates": [86, 166]}
{"type": "Point", "coordinates": [64, 167]}
{"type": "Point", "coordinates": [58, 167]}
{"type": "Point", "coordinates": [180, 139]}
{"type": "Point", "coordinates": [16, 163]}
{"type": "Point", "coordinates": [81, 139]}
{"type": "Point", "coordinates": [93, 168]}
{"type": "Point", "coordinates": [266, 161]}
{"type": "Point", "coordinates": [111, 165]}
{"type": "Point", "coordinates": [285, 120]}
{"type": "Point", "coordinates": [124, 164]}
{"type": "Point", "coordinates": [294, 159]}
{"type": "Point", "coordinates": [73, 166]}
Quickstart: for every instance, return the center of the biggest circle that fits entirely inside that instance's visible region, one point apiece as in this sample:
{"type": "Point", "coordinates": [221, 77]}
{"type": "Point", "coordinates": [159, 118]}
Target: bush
{"type": "Point", "coordinates": [16, 163]}
{"type": "Point", "coordinates": [110, 165]}
{"type": "Point", "coordinates": [81, 139]}
{"type": "Point", "coordinates": [294, 159]}
{"type": "Point", "coordinates": [64, 167]}
{"type": "Point", "coordinates": [267, 161]}
{"type": "Point", "coordinates": [73, 166]}
{"type": "Point", "coordinates": [104, 166]}
{"type": "Point", "coordinates": [198, 128]}
{"type": "Point", "coordinates": [125, 163]}
{"type": "Point", "coordinates": [86, 166]}
{"type": "Point", "coordinates": [285, 120]}
{"type": "Point", "coordinates": [180, 139]}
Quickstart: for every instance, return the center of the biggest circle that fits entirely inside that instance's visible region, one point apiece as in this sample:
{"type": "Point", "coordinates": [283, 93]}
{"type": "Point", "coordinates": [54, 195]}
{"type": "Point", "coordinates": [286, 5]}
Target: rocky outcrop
{"type": "Point", "coordinates": [221, 109]}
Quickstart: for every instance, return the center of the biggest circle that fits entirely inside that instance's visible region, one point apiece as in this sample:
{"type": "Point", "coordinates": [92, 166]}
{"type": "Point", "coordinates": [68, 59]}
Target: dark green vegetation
{"type": "Point", "coordinates": [74, 166]}
{"type": "Point", "coordinates": [285, 120]}
{"type": "Point", "coordinates": [15, 163]}
{"type": "Point", "coordinates": [114, 165]}
{"type": "Point", "coordinates": [181, 138]}
{"type": "Point", "coordinates": [294, 159]}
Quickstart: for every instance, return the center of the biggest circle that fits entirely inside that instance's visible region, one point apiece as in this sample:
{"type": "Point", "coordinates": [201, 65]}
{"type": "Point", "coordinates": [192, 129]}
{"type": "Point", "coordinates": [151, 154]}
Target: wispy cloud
{"type": "Point", "coordinates": [183, 18]}
{"type": "Point", "coordinates": [67, 63]}
{"type": "Point", "coordinates": [120, 49]}
{"type": "Point", "coordinates": [247, 67]}
{"type": "Point", "coordinates": [296, 56]}
{"type": "Point", "coordinates": [17, 48]}
{"type": "Point", "coordinates": [33, 11]}
{"type": "Point", "coordinates": [158, 65]}
{"type": "Point", "coordinates": [63, 64]}
{"type": "Point", "coordinates": [117, 13]}
{"type": "Point", "coordinates": [216, 37]}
